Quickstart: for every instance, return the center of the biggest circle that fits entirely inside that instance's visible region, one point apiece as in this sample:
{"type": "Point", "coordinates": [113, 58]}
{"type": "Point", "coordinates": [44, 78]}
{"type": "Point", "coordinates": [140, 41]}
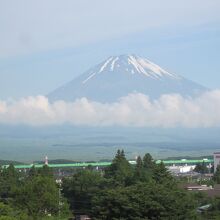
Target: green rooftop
{"type": "Point", "coordinates": [103, 164]}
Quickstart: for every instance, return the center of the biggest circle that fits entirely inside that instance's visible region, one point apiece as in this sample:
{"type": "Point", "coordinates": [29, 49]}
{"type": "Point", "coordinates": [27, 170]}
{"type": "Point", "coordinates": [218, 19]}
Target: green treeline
{"type": "Point", "coordinates": [30, 196]}
{"type": "Point", "coordinates": [121, 191]}
{"type": "Point", "coordinates": [146, 191]}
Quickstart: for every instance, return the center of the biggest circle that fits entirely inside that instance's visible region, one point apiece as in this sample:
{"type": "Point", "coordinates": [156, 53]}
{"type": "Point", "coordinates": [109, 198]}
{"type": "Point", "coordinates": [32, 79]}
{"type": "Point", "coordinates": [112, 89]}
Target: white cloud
{"type": "Point", "coordinates": [133, 110]}
{"type": "Point", "coordinates": [29, 26]}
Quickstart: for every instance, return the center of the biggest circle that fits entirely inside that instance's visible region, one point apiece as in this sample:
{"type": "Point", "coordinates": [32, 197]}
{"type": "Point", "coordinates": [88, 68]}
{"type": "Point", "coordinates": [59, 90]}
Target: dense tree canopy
{"type": "Point", "coordinates": [151, 193]}
{"type": "Point", "coordinates": [80, 189]}
{"type": "Point", "coordinates": [124, 191]}
{"type": "Point", "coordinates": [30, 196]}
{"type": "Point", "coordinates": [120, 191]}
{"type": "Point", "coordinates": [143, 201]}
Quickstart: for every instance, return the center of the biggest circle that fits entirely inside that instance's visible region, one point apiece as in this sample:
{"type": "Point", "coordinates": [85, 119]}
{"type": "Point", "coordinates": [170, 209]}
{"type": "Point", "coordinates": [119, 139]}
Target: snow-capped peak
{"type": "Point", "coordinates": [119, 76]}
{"type": "Point", "coordinates": [131, 64]}
{"type": "Point", "coordinates": [148, 68]}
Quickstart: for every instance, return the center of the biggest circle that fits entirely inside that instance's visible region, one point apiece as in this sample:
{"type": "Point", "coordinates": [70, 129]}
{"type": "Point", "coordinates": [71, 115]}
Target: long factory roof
{"type": "Point", "coordinates": [103, 164]}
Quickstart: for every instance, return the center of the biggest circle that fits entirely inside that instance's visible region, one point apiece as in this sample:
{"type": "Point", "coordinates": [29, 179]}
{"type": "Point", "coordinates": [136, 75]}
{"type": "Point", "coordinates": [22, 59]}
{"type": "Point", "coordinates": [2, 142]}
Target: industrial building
{"type": "Point", "coordinates": [216, 157]}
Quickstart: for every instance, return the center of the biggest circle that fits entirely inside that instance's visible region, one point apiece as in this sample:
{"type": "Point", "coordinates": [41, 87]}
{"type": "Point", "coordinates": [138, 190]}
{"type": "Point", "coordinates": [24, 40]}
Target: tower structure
{"type": "Point", "coordinates": [46, 160]}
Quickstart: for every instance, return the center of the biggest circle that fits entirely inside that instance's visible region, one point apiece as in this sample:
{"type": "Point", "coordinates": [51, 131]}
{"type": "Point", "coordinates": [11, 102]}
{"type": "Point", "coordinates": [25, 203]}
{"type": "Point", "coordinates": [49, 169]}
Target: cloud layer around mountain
{"type": "Point", "coordinates": [137, 110]}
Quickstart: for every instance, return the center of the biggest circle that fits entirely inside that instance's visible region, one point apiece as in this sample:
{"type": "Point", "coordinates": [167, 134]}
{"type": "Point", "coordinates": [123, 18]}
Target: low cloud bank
{"type": "Point", "coordinates": [133, 110]}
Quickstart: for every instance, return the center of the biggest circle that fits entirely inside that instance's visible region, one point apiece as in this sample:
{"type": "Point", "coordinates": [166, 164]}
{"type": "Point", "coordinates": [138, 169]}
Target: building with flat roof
{"type": "Point", "coordinates": [216, 156]}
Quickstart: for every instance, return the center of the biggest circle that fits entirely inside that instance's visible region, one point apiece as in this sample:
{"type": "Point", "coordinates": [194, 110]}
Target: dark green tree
{"type": "Point", "coordinates": [80, 188]}
{"type": "Point", "coordinates": [39, 196]}
{"type": "Point", "coordinates": [143, 201]}
{"type": "Point", "coordinates": [138, 168]}
{"type": "Point", "coordinates": [120, 171]}
{"type": "Point", "coordinates": [148, 162]}
{"type": "Point", "coordinates": [46, 171]}
{"type": "Point", "coordinates": [201, 168]}
{"type": "Point", "coordinates": [9, 213]}
{"type": "Point", "coordinates": [33, 172]}
{"type": "Point", "coordinates": [212, 169]}
{"type": "Point", "coordinates": [9, 180]}
{"type": "Point", "coordinates": [162, 175]}
{"type": "Point", "coordinates": [5, 210]}
{"type": "Point", "coordinates": [141, 174]}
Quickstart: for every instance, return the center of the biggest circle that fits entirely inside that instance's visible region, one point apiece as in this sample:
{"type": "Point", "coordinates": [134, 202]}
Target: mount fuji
{"type": "Point", "coordinates": [121, 75]}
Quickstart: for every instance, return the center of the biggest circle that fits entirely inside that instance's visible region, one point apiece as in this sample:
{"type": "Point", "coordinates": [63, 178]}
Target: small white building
{"type": "Point", "coordinates": [181, 169]}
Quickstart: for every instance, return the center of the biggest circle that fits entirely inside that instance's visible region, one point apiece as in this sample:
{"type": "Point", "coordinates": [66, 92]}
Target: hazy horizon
{"type": "Point", "coordinates": [71, 51]}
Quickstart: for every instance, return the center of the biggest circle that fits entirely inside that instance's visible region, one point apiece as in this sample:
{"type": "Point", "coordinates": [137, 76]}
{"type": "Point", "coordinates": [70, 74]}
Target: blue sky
{"type": "Point", "coordinates": [45, 44]}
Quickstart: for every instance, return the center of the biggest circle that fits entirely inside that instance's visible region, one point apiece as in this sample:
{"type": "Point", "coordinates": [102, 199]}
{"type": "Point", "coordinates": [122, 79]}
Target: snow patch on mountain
{"type": "Point", "coordinates": [133, 64]}
{"type": "Point", "coordinates": [105, 64]}
{"type": "Point", "coordinates": [113, 63]}
{"type": "Point", "coordinates": [119, 76]}
{"type": "Point", "coordinates": [92, 74]}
